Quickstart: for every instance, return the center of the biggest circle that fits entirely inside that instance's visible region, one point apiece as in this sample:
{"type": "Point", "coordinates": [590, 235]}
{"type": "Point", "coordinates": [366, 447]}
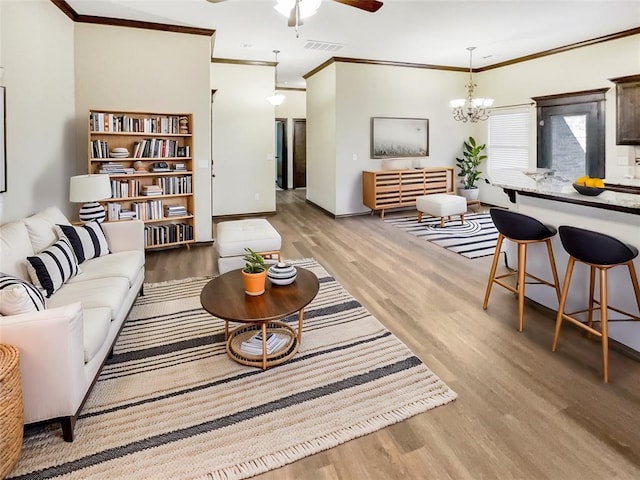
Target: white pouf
{"type": "Point", "coordinates": [441, 205]}
{"type": "Point", "coordinates": [233, 236]}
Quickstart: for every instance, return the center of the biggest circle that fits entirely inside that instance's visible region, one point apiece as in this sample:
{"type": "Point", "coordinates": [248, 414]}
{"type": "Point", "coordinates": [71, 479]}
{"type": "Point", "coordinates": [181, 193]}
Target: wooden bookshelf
{"type": "Point", "coordinates": [150, 139]}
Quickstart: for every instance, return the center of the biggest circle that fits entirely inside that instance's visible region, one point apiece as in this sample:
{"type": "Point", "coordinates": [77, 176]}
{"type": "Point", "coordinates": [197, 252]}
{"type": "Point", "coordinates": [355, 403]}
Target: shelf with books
{"type": "Point", "coordinates": [148, 159]}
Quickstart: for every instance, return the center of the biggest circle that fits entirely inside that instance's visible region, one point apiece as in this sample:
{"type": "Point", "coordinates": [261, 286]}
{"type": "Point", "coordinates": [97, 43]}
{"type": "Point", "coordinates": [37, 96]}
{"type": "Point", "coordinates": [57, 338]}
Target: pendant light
{"type": "Point", "coordinates": [471, 109]}
{"type": "Point", "coordinates": [277, 98]}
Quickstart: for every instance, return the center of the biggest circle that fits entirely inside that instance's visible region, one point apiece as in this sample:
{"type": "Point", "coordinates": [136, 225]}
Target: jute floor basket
{"type": "Point", "coordinates": [11, 412]}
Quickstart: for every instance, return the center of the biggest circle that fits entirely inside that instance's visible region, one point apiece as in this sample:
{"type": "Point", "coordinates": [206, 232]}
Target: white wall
{"type": "Point", "coordinates": [584, 68]}
{"type": "Point", "coordinates": [321, 138]}
{"type": "Point", "coordinates": [131, 69]}
{"type": "Point", "coordinates": [37, 55]}
{"type": "Point", "coordinates": [364, 91]}
{"type": "Point", "coordinates": [243, 139]}
{"type": "Point", "coordinates": [294, 107]}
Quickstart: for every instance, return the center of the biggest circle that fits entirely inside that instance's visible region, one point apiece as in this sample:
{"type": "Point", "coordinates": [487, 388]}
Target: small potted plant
{"type": "Point", "coordinates": [254, 273]}
{"type": "Point", "coordinates": [468, 168]}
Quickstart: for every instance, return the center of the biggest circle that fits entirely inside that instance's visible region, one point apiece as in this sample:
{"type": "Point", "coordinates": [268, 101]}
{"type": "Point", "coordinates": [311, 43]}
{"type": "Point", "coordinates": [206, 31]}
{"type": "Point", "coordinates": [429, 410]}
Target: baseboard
{"type": "Point", "coordinates": [333, 215]}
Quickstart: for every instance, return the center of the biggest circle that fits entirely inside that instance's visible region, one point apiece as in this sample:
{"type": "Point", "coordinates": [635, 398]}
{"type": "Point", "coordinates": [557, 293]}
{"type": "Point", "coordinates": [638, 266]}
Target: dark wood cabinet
{"type": "Point", "coordinates": [628, 110]}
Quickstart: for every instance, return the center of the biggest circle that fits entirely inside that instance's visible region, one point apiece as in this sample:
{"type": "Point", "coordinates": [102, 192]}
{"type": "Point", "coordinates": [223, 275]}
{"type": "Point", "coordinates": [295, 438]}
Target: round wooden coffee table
{"type": "Point", "coordinates": [224, 297]}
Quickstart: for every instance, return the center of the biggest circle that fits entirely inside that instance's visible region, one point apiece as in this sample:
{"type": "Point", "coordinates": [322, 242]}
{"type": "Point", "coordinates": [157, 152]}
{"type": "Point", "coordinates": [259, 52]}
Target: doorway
{"type": "Point", "coordinates": [299, 153]}
{"type": "Point", "coordinates": [282, 158]}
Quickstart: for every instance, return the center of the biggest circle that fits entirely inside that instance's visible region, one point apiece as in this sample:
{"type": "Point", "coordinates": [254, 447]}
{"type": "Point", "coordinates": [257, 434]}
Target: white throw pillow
{"type": "Point", "coordinates": [88, 240]}
{"type": "Point", "coordinates": [52, 267]}
{"type": "Point", "coordinates": [18, 296]}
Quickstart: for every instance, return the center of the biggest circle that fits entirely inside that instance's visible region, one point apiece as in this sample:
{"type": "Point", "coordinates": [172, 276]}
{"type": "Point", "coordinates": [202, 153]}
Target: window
{"type": "Point", "coordinates": [508, 140]}
{"type": "Point", "coordinates": [571, 133]}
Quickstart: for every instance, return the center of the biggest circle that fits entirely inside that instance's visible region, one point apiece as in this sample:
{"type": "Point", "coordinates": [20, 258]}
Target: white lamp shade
{"type": "Point", "coordinates": [89, 188]}
{"type": "Point", "coordinates": [457, 103]}
{"type": "Point", "coordinates": [276, 99]}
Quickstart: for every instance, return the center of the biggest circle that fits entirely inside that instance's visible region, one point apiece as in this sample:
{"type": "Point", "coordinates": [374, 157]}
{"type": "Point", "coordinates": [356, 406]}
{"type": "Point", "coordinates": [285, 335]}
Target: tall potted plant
{"type": "Point", "coordinates": [254, 273]}
{"type": "Point", "coordinates": [468, 168]}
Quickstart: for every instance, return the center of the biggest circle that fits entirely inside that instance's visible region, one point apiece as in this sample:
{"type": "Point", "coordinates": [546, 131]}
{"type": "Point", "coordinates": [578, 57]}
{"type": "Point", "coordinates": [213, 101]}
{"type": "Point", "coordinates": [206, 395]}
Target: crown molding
{"type": "Point", "coordinates": [236, 61]}
{"type": "Point", "coordinates": [565, 48]}
{"type": "Point", "coordinates": [118, 22]}
{"type": "Point", "coordinates": [291, 89]}
{"type": "Point", "coordinates": [383, 62]}
{"type": "Point", "coordinates": [545, 53]}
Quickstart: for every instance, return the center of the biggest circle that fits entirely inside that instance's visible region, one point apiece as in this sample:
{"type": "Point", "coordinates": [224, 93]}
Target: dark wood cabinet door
{"type": "Point", "coordinates": [299, 153]}
{"type": "Point", "coordinates": [627, 110]}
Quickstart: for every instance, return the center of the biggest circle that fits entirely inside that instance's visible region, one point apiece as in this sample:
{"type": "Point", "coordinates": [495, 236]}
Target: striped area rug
{"type": "Point", "coordinates": [171, 404]}
{"type": "Point", "coordinates": [475, 238]}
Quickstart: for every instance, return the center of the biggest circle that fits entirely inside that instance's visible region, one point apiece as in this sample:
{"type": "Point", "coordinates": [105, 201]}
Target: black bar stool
{"type": "Point", "coordinates": [601, 252]}
{"type": "Point", "coordinates": [522, 230]}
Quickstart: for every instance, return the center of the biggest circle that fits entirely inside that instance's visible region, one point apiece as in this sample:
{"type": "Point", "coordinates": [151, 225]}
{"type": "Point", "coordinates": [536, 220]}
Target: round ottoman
{"type": "Point", "coordinates": [11, 412]}
{"type": "Point", "coordinates": [441, 205]}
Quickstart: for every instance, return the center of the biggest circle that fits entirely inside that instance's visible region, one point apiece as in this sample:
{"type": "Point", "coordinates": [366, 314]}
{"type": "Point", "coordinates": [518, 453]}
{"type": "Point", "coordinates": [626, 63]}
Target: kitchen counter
{"type": "Point", "coordinates": [561, 190]}
{"type": "Point", "coordinates": [555, 202]}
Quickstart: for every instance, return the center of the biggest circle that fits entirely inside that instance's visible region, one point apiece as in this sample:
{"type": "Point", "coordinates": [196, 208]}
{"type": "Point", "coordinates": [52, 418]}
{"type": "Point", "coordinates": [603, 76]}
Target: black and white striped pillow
{"type": "Point", "coordinates": [53, 266]}
{"type": "Point", "coordinates": [88, 241]}
{"type": "Point", "coordinates": [18, 296]}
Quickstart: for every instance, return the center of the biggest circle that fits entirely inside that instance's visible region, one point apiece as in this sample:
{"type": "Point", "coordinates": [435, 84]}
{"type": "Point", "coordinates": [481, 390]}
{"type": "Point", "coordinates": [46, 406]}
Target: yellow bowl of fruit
{"type": "Point", "coordinates": [589, 186]}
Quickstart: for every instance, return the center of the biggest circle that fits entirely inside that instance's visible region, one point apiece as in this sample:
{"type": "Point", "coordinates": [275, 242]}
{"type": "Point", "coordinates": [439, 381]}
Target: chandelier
{"type": "Point", "coordinates": [276, 98]}
{"type": "Point", "coordinates": [471, 109]}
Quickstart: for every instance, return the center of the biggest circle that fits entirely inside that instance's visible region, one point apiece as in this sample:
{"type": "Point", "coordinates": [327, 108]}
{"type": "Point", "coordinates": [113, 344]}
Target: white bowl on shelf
{"type": "Point", "coordinates": [282, 274]}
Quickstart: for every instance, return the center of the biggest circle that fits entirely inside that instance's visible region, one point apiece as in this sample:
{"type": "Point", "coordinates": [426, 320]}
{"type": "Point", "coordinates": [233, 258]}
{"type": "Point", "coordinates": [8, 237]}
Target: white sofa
{"type": "Point", "coordinates": [63, 347]}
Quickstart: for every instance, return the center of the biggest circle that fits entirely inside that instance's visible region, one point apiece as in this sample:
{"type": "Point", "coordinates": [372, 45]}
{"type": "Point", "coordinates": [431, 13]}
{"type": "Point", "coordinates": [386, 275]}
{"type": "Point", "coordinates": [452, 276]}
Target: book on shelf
{"type": "Point", "coordinates": [127, 215]}
{"type": "Point", "coordinates": [253, 345]}
{"type": "Point", "coordinates": [112, 169]}
{"type": "Point", "coordinates": [175, 211]}
{"type": "Point", "coordinates": [151, 190]}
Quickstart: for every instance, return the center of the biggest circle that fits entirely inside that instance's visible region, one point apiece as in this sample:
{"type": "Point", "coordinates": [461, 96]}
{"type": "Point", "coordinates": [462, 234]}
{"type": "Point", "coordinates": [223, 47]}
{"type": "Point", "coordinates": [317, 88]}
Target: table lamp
{"type": "Point", "coordinates": [88, 189]}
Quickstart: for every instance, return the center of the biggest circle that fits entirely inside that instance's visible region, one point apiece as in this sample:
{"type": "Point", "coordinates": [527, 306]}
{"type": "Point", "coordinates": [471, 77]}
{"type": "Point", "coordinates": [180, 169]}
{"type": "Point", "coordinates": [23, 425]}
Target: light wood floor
{"type": "Point", "coordinates": [523, 412]}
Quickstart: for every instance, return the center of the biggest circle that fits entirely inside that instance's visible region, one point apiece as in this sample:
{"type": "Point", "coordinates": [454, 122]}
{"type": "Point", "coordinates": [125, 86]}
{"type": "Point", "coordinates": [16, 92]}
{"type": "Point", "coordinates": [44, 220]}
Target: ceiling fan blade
{"type": "Point", "coordinates": [367, 5]}
{"type": "Point", "coordinates": [216, 1]}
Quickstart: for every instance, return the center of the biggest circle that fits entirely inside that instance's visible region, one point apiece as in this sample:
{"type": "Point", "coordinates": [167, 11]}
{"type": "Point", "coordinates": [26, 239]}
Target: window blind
{"type": "Point", "coordinates": [508, 140]}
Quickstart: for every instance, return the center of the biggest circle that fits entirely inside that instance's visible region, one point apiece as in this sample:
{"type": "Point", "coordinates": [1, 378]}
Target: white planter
{"type": "Point", "coordinates": [469, 193]}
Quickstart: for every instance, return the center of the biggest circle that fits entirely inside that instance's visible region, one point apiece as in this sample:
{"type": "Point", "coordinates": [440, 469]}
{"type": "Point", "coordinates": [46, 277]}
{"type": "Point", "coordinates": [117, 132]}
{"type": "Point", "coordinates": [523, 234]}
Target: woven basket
{"type": "Point", "coordinates": [11, 412]}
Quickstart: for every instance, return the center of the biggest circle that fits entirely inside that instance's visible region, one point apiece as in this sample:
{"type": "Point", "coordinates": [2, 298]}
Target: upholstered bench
{"type": "Point", "coordinates": [441, 205]}
{"type": "Point", "coordinates": [233, 236]}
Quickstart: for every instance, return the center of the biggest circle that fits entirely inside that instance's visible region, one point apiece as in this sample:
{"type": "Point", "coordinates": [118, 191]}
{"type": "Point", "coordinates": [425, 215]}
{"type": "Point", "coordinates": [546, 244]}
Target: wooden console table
{"type": "Point", "coordinates": [382, 189]}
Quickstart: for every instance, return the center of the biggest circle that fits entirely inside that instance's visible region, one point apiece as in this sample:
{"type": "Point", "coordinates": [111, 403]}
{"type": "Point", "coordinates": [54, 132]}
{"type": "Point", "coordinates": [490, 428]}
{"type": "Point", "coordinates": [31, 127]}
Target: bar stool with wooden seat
{"type": "Point", "coordinates": [600, 252]}
{"type": "Point", "coordinates": [522, 230]}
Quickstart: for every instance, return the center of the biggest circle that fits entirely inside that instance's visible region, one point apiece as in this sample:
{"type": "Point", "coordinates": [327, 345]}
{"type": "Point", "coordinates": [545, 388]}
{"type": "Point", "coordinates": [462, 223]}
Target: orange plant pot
{"type": "Point", "coordinates": [254, 282]}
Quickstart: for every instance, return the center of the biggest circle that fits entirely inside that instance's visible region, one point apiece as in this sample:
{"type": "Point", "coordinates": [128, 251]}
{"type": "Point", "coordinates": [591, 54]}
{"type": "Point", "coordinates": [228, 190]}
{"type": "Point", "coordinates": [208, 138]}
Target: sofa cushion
{"type": "Point", "coordinates": [88, 241]}
{"type": "Point", "coordinates": [41, 227]}
{"type": "Point", "coordinates": [53, 266]}
{"type": "Point", "coordinates": [100, 292]}
{"type": "Point", "coordinates": [95, 323]}
{"type": "Point", "coordinates": [18, 296]}
{"type": "Point", "coordinates": [15, 246]}
{"type": "Point", "coordinates": [121, 264]}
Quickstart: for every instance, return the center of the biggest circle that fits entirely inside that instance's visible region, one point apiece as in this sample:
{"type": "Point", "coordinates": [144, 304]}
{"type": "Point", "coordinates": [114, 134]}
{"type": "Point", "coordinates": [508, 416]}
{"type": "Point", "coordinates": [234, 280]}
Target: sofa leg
{"type": "Point", "coordinates": [142, 291]}
{"type": "Point", "coordinates": [110, 356]}
{"type": "Point", "coordinates": [68, 424]}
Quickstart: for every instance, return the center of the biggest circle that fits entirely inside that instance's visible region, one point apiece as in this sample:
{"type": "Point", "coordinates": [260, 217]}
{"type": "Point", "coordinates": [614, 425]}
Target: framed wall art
{"type": "Point", "coordinates": [3, 141]}
{"type": "Point", "coordinates": [399, 137]}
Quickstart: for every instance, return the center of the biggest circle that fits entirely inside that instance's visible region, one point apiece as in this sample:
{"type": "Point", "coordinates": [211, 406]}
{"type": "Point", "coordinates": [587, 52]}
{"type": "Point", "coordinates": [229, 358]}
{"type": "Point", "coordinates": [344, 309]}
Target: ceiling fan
{"type": "Point", "coordinates": [297, 8]}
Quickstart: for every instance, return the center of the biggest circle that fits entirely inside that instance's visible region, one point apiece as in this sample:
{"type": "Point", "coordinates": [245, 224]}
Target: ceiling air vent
{"type": "Point", "coordinates": [323, 46]}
